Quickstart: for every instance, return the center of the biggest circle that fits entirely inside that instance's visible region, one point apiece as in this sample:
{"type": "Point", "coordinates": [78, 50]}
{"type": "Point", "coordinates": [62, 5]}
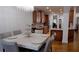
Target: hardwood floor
{"type": "Point", "coordinates": [70, 47]}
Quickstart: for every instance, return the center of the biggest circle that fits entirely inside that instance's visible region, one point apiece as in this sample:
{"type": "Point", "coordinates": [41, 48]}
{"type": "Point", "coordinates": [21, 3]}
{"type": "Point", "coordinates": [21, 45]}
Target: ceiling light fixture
{"type": "Point", "coordinates": [47, 7]}
{"type": "Point", "coordinates": [60, 9]}
{"type": "Point", "coordinates": [50, 10]}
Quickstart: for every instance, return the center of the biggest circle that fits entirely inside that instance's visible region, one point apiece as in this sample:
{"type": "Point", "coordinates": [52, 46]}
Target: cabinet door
{"type": "Point", "coordinates": [58, 34]}
{"type": "Point", "coordinates": [46, 20]}
{"type": "Point", "coordinates": [34, 17]}
{"type": "Point", "coordinates": [37, 17]}
{"type": "Point", "coordinates": [71, 16]}
{"type": "Point", "coordinates": [45, 29]}
{"type": "Point", "coordinates": [70, 35]}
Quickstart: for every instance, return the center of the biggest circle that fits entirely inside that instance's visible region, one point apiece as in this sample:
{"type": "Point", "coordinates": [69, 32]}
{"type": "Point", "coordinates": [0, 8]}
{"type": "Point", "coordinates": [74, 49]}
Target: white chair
{"type": "Point", "coordinates": [17, 32]}
{"type": "Point", "coordinates": [10, 47]}
{"type": "Point", "coordinates": [5, 35]}
{"type": "Point", "coordinates": [1, 48]}
{"type": "Point", "coordinates": [1, 36]}
{"type": "Point", "coordinates": [54, 34]}
{"type": "Point", "coordinates": [8, 34]}
{"type": "Point", "coordinates": [48, 45]}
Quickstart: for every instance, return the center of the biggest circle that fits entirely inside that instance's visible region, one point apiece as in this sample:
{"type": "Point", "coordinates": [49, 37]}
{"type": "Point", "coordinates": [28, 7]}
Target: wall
{"type": "Point", "coordinates": [14, 18]}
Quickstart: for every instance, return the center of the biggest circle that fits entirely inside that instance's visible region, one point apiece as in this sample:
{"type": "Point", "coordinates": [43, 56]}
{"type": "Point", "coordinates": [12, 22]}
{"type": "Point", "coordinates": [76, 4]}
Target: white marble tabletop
{"type": "Point", "coordinates": [34, 42]}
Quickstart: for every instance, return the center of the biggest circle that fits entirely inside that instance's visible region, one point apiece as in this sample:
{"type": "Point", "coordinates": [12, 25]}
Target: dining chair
{"type": "Point", "coordinates": [1, 47]}
{"type": "Point", "coordinates": [48, 45]}
{"type": "Point", "coordinates": [1, 36]}
{"type": "Point", "coordinates": [5, 35]}
{"type": "Point", "coordinates": [17, 32]}
{"type": "Point", "coordinates": [10, 47]}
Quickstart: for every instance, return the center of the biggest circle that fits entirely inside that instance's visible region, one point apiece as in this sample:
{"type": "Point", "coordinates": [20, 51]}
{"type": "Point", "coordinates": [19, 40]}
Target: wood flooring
{"type": "Point", "coordinates": [66, 47]}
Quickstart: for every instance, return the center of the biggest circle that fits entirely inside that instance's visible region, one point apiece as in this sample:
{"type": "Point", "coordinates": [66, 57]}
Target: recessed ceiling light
{"type": "Point", "coordinates": [47, 7]}
{"type": "Point", "coordinates": [60, 9]}
{"type": "Point", "coordinates": [50, 10]}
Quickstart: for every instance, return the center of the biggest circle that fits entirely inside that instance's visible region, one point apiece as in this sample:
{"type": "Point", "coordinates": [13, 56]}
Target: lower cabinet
{"type": "Point", "coordinates": [45, 30]}
{"type": "Point", "coordinates": [71, 35]}
{"type": "Point", "coordinates": [59, 34]}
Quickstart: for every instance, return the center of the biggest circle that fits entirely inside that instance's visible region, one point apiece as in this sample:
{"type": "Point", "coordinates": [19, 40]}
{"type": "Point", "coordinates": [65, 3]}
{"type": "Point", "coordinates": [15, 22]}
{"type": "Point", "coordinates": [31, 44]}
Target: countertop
{"type": "Point", "coordinates": [61, 29]}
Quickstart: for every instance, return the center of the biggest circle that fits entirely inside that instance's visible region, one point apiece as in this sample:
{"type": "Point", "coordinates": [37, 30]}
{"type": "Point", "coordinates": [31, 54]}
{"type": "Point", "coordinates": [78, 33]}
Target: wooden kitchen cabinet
{"type": "Point", "coordinates": [40, 18]}
{"type": "Point", "coordinates": [46, 25]}
{"type": "Point", "coordinates": [34, 17]}
{"type": "Point", "coordinates": [71, 35]}
{"type": "Point", "coordinates": [59, 34]}
{"type": "Point", "coordinates": [71, 16]}
{"type": "Point", "coordinates": [45, 29]}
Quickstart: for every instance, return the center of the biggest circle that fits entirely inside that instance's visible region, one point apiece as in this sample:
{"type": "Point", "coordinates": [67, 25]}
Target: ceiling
{"type": "Point", "coordinates": [52, 9]}
{"type": "Point", "coordinates": [77, 9]}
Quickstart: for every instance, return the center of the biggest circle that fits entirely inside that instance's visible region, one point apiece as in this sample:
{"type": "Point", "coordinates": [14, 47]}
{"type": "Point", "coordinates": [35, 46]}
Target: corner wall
{"type": "Point", "coordinates": [13, 18]}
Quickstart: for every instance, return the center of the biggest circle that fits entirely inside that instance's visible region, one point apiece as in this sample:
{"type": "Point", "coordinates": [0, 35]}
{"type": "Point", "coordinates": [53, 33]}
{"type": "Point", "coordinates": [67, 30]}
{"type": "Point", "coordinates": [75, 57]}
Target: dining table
{"type": "Point", "coordinates": [33, 42]}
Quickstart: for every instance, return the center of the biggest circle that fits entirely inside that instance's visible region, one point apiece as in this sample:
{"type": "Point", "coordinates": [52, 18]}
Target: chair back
{"type": "Point", "coordinates": [48, 45]}
{"type": "Point", "coordinates": [1, 36]}
{"type": "Point", "coordinates": [5, 35]}
{"type": "Point", "coordinates": [10, 47]}
{"type": "Point", "coordinates": [1, 47]}
{"type": "Point", "coordinates": [17, 32]}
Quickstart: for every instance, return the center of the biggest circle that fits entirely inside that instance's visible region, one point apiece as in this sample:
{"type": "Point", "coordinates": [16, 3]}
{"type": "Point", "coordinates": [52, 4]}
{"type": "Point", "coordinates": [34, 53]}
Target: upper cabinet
{"type": "Point", "coordinates": [38, 17]}
{"type": "Point", "coordinates": [40, 20]}
{"type": "Point", "coordinates": [71, 17]}
{"type": "Point", "coordinates": [34, 17]}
